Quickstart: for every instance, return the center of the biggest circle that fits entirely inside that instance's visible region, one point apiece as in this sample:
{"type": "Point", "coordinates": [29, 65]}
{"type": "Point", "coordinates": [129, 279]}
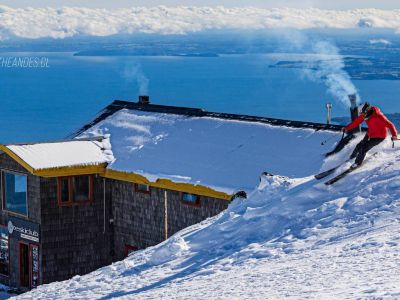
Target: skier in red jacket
{"type": "Point", "coordinates": [377, 131]}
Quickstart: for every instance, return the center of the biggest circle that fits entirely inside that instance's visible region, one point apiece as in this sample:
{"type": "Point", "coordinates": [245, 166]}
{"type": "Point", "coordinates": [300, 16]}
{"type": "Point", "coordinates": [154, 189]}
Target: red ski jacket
{"type": "Point", "coordinates": [377, 124]}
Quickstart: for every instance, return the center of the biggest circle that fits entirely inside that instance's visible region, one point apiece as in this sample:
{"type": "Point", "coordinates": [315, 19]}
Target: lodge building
{"type": "Point", "coordinates": [129, 179]}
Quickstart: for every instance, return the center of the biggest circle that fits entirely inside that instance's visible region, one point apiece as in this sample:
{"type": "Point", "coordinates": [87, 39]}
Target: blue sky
{"type": "Point", "coordinates": [337, 4]}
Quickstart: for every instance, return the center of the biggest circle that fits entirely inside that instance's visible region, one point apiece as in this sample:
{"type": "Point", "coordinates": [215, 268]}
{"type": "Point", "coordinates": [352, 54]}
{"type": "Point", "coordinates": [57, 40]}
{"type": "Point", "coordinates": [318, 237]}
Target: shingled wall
{"type": "Point", "coordinates": [139, 218]}
{"type": "Point", "coordinates": [73, 237]}
{"type": "Point", "coordinates": [181, 215]}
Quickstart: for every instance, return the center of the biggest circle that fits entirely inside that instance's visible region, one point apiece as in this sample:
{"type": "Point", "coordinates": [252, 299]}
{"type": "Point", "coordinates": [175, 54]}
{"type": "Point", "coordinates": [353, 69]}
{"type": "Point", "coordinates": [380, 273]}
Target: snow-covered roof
{"type": "Point", "coordinates": [226, 155]}
{"type": "Point", "coordinates": [73, 153]}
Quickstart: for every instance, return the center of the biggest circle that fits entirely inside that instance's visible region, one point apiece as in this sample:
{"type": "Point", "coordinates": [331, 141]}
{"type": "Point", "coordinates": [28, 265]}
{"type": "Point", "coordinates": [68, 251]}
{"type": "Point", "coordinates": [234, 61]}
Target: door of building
{"type": "Point", "coordinates": [24, 265]}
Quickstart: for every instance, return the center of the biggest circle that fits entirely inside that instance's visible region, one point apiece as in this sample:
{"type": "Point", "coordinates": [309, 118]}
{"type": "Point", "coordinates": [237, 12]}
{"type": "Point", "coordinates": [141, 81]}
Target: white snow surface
{"type": "Point", "coordinates": [222, 154]}
{"type": "Point", "coordinates": [291, 239]}
{"type": "Point", "coordinates": [64, 154]}
{"type": "Point", "coordinates": [64, 22]}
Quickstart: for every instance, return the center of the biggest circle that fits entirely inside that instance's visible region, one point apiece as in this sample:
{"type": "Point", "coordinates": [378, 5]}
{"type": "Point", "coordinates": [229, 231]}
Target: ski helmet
{"type": "Point", "coordinates": [365, 107]}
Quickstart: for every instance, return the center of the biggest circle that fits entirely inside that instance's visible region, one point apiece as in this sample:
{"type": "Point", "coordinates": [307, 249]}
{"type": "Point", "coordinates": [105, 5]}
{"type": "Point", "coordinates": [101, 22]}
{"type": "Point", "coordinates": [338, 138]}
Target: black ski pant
{"type": "Point", "coordinates": [363, 147]}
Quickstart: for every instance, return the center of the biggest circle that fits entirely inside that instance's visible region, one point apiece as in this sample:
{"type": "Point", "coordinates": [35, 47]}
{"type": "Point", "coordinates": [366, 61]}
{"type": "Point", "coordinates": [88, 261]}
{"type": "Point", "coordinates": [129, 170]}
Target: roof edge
{"type": "Point", "coordinates": [117, 105]}
{"type": "Point", "coordinates": [72, 170]}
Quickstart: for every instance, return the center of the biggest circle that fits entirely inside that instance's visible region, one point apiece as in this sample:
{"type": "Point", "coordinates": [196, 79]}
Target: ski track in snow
{"type": "Point", "coordinates": [291, 239]}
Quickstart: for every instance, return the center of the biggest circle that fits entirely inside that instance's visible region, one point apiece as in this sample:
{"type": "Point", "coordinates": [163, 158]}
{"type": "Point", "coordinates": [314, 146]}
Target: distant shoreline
{"type": "Point", "coordinates": [116, 53]}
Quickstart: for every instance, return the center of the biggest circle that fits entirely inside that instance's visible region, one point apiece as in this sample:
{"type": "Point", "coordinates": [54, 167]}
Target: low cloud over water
{"type": "Point", "coordinates": [65, 22]}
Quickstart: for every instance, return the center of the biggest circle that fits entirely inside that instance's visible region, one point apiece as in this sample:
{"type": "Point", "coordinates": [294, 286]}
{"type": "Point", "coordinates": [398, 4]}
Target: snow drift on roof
{"type": "Point", "coordinates": [63, 154]}
{"type": "Point", "coordinates": [222, 154]}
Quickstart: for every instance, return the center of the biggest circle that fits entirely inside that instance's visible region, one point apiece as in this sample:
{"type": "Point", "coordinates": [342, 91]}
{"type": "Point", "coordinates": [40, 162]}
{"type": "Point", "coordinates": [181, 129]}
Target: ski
{"type": "Point", "coordinates": [349, 170]}
{"type": "Point", "coordinates": [341, 175]}
{"type": "Point", "coordinates": [330, 171]}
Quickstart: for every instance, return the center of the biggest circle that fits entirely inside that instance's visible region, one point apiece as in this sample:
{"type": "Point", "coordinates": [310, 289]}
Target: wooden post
{"type": "Point", "coordinates": [166, 214]}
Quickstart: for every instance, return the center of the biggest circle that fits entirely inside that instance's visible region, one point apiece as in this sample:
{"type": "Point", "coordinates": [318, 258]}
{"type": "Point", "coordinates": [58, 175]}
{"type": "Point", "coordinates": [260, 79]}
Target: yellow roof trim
{"type": "Point", "coordinates": [190, 188]}
{"type": "Point", "coordinates": [125, 176]}
{"type": "Point", "coordinates": [167, 184]}
{"type": "Point", "coordinates": [71, 171]}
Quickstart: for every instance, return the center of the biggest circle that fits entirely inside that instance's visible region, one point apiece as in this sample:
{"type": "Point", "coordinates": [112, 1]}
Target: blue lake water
{"type": "Point", "coordinates": [49, 103]}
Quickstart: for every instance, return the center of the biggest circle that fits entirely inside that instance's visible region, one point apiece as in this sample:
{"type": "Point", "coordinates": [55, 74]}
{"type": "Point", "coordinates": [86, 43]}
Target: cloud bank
{"type": "Point", "coordinates": [65, 22]}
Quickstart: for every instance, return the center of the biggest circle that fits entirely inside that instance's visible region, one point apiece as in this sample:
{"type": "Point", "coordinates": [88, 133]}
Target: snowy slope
{"type": "Point", "coordinates": [292, 238]}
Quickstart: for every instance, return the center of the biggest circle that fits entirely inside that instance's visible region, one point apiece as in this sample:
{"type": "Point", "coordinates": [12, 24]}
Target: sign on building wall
{"type": "Point", "coordinates": [23, 230]}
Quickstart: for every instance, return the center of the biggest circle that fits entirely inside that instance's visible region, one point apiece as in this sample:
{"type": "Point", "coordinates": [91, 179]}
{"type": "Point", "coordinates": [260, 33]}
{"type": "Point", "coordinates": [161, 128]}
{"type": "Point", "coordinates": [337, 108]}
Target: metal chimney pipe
{"type": "Point", "coordinates": [144, 100]}
{"type": "Point", "coordinates": [328, 113]}
{"type": "Point", "coordinates": [354, 111]}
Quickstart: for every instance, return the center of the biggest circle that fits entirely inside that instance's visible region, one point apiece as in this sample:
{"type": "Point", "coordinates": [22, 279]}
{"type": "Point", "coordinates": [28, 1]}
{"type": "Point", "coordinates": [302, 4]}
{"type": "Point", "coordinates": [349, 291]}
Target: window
{"type": "Point", "coordinates": [14, 193]}
{"type": "Point", "coordinates": [4, 257]}
{"type": "Point", "coordinates": [75, 190]}
{"type": "Point", "coordinates": [81, 188]}
{"type": "Point", "coordinates": [142, 188]}
{"type": "Point", "coordinates": [191, 199]}
{"type": "Point", "coordinates": [63, 186]}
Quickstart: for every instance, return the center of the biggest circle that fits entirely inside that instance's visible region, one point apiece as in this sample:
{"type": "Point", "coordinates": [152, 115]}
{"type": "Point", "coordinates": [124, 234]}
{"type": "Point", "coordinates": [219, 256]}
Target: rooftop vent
{"type": "Point", "coordinates": [328, 113]}
{"type": "Point", "coordinates": [144, 100]}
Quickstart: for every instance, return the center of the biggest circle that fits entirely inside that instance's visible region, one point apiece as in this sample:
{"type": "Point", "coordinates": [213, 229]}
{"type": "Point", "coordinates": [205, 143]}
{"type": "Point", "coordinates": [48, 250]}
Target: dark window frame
{"type": "Point", "coordinates": [197, 203]}
{"type": "Point", "coordinates": [71, 201]}
{"type": "Point", "coordinates": [8, 250]}
{"type": "Point", "coordinates": [137, 190]}
{"type": "Point", "coordinates": [3, 192]}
